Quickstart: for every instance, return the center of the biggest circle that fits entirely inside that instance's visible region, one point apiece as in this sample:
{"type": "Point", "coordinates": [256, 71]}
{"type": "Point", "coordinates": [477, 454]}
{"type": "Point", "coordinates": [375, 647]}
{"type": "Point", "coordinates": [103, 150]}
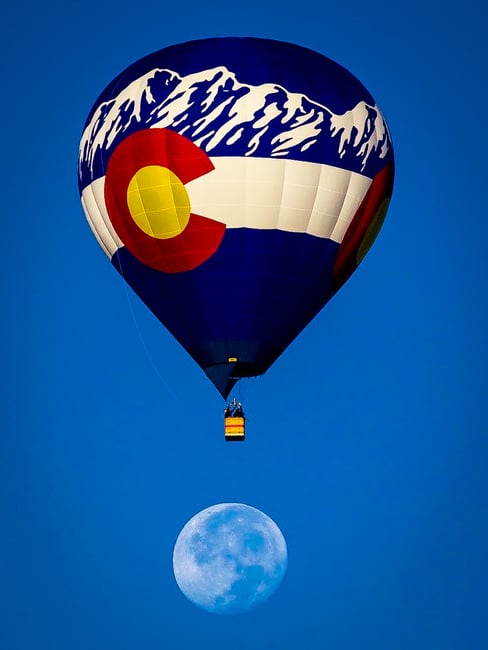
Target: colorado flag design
{"type": "Point", "coordinates": [236, 184]}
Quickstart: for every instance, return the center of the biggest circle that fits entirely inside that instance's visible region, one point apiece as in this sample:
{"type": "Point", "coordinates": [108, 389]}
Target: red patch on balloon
{"type": "Point", "coordinates": [201, 237]}
{"type": "Point", "coordinates": [347, 257]}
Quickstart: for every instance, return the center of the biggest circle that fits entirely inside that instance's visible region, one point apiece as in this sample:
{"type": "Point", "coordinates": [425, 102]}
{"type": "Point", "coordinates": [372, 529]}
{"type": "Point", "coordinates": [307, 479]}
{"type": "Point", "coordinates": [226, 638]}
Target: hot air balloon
{"type": "Point", "coordinates": [235, 184]}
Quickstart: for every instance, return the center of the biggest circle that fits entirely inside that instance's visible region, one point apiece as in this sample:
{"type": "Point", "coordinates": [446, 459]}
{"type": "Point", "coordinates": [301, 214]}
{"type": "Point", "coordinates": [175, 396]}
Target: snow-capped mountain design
{"type": "Point", "coordinates": [226, 117]}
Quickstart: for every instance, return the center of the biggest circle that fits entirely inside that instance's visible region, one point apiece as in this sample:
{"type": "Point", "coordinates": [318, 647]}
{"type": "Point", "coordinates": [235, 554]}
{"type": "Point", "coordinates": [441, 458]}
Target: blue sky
{"type": "Point", "coordinates": [367, 440]}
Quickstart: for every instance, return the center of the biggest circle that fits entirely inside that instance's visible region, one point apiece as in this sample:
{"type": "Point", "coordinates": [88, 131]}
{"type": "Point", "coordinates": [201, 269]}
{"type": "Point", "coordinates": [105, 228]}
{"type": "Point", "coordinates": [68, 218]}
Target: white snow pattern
{"type": "Point", "coordinates": [233, 113]}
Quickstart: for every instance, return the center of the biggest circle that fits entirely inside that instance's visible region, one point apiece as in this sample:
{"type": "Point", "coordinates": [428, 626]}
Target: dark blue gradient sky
{"type": "Point", "coordinates": [367, 440]}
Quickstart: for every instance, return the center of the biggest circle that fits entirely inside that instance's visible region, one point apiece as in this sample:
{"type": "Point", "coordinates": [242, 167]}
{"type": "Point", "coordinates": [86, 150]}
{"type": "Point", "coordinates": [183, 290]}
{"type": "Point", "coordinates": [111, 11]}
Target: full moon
{"type": "Point", "coordinates": [229, 558]}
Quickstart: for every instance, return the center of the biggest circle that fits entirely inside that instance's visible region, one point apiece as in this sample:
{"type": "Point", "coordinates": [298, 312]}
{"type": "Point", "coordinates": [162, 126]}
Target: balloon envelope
{"type": "Point", "coordinates": [235, 183]}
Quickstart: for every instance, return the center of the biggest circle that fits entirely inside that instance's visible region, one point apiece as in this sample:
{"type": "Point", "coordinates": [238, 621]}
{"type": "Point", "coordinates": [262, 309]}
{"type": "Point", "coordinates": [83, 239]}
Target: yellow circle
{"type": "Point", "coordinates": [158, 202]}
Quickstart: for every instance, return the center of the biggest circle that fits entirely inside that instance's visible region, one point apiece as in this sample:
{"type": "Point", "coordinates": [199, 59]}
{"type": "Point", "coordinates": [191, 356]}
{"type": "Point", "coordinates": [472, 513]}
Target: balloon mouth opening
{"type": "Point", "coordinates": [225, 376]}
